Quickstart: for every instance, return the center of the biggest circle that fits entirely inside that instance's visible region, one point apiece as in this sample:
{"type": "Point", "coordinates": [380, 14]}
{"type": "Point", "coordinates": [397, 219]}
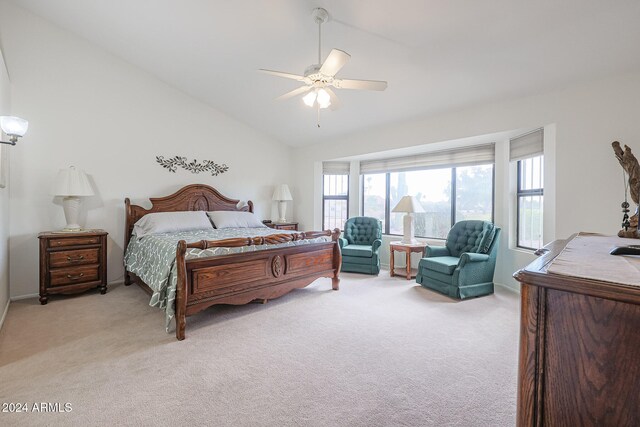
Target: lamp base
{"type": "Point", "coordinates": [409, 237]}
{"type": "Point", "coordinates": [282, 211]}
{"type": "Point", "coordinates": [71, 206]}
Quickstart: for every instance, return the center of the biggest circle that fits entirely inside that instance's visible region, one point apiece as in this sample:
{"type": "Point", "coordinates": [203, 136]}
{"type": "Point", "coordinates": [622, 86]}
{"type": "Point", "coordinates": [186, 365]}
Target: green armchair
{"type": "Point", "coordinates": [464, 267]}
{"type": "Point", "coordinates": [360, 245]}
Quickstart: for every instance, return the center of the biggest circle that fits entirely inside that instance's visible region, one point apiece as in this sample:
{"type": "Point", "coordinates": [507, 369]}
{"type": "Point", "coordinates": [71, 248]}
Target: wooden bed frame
{"type": "Point", "coordinates": [236, 278]}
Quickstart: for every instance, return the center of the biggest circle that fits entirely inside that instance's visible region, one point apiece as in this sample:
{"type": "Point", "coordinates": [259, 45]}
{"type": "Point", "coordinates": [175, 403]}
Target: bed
{"type": "Point", "coordinates": [231, 270]}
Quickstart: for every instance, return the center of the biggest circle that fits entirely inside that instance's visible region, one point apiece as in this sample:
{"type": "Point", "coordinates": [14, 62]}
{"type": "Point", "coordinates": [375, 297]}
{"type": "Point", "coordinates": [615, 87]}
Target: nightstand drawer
{"type": "Point", "coordinates": [73, 275]}
{"type": "Point", "coordinates": [287, 227]}
{"type": "Point", "coordinates": [73, 241]}
{"type": "Point", "coordinates": [71, 258]}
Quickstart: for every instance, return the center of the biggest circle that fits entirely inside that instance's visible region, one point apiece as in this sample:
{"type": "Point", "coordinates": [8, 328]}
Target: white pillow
{"type": "Point", "coordinates": [167, 222]}
{"type": "Point", "coordinates": [234, 219]}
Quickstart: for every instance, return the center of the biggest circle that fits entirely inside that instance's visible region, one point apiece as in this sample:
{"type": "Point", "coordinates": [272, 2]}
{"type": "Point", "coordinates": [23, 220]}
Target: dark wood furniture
{"type": "Point", "coordinates": [236, 278]}
{"type": "Point", "coordinates": [579, 361]}
{"type": "Point", "coordinates": [283, 225]}
{"type": "Point", "coordinates": [408, 249]}
{"type": "Point", "coordinates": [72, 262]}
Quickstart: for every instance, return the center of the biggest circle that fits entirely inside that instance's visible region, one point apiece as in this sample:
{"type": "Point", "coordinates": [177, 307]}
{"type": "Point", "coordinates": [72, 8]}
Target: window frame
{"type": "Point", "coordinates": [340, 197]}
{"type": "Point", "coordinates": [387, 211]}
{"type": "Point", "coordinates": [520, 193]}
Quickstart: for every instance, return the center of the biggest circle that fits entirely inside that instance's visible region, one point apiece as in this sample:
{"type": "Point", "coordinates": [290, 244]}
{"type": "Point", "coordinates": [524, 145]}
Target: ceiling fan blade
{"type": "Point", "coordinates": [359, 84]}
{"type": "Point", "coordinates": [285, 75]}
{"type": "Point", "coordinates": [298, 91]}
{"type": "Point", "coordinates": [335, 101]}
{"type": "Point", "coordinates": [334, 62]}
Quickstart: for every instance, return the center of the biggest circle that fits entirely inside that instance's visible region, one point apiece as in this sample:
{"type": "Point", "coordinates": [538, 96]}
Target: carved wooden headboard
{"type": "Point", "coordinates": [194, 197]}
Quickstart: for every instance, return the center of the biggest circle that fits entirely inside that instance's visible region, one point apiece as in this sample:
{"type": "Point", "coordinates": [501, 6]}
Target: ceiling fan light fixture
{"type": "Point", "coordinates": [320, 78]}
{"type": "Point", "coordinates": [310, 98]}
{"type": "Point", "coordinates": [324, 100]}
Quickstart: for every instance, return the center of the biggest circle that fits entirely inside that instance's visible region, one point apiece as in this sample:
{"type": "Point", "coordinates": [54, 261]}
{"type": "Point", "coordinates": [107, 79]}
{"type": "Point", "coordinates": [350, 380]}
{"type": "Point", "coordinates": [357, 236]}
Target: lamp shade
{"type": "Point", "coordinates": [13, 126]}
{"type": "Point", "coordinates": [72, 182]}
{"type": "Point", "coordinates": [408, 204]}
{"type": "Point", "coordinates": [282, 193]}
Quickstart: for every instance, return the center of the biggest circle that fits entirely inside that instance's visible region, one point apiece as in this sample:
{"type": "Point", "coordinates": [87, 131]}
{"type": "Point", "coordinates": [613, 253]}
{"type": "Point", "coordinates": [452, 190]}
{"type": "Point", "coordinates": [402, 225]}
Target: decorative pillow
{"type": "Point", "coordinates": [167, 222]}
{"type": "Point", "coordinates": [234, 219]}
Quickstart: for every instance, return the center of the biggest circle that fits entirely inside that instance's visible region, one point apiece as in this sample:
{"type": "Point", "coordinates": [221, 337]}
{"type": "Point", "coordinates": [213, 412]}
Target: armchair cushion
{"type": "Point", "coordinates": [441, 264]}
{"type": "Point", "coordinates": [361, 251]}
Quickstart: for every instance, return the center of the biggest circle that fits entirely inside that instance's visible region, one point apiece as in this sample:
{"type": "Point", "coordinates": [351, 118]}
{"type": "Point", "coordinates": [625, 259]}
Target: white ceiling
{"type": "Point", "coordinates": [437, 55]}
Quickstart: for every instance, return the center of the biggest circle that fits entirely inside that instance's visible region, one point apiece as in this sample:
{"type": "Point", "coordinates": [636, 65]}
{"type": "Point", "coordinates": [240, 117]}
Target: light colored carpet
{"type": "Point", "coordinates": [381, 351]}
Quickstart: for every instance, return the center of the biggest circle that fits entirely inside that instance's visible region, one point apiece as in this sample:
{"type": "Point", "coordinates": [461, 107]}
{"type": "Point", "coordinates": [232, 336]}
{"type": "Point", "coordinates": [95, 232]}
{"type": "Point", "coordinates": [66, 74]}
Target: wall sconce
{"type": "Point", "coordinates": [14, 127]}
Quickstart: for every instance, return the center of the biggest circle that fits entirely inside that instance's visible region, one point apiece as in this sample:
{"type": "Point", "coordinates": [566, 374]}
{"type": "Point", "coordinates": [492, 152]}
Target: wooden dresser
{"type": "Point", "coordinates": [72, 262]}
{"type": "Point", "coordinates": [579, 362]}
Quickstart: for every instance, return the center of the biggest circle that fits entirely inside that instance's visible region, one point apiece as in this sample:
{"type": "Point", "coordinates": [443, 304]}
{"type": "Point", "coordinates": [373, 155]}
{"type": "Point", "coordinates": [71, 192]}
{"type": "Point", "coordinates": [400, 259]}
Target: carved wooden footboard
{"type": "Point", "coordinates": [242, 277]}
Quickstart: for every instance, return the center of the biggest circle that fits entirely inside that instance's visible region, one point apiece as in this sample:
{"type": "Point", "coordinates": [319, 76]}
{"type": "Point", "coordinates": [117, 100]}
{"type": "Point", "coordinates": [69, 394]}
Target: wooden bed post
{"type": "Point", "coordinates": [127, 233]}
{"type": "Point", "coordinates": [181, 290]}
{"type": "Point", "coordinates": [337, 260]}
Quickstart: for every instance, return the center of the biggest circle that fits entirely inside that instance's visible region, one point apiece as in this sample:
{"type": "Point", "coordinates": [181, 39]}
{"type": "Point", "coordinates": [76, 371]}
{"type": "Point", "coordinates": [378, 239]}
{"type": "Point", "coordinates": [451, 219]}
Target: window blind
{"type": "Point", "coordinates": [335, 168]}
{"type": "Point", "coordinates": [525, 146]}
{"type": "Point", "coordinates": [475, 155]}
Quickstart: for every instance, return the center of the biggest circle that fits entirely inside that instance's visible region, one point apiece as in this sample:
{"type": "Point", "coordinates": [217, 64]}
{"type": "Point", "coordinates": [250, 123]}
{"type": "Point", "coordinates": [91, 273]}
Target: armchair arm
{"type": "Point", "coordinates": [431, 251]}
{"type": "Point", "coordinates": [469, 257]}
{"type": "Point", "coordinates": [375, 246]}
{"type": "Point", "coordinates": [342, 242]}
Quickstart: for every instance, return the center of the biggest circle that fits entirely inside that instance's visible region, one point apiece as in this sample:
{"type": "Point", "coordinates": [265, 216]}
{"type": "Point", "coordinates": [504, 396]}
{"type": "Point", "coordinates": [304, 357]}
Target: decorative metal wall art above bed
{"type": "Point", "coordinates": [193, 166]}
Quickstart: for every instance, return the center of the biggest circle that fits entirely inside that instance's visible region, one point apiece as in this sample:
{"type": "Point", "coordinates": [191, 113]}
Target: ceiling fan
{"type": "Point", "coordinates": [319, 78]}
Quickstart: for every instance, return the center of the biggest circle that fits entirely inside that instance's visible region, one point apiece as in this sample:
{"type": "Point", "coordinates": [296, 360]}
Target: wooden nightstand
{"type": "Point", "coordinates": [72, 262]}
{"type": "Point", "coordinates": [408, 249]}
{"type": "Point", "coordinates": [283, 225]}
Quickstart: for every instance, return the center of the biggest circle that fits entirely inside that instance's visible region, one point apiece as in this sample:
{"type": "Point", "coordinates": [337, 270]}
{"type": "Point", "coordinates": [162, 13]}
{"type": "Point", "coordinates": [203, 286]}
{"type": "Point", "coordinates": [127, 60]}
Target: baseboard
{"type": "Point", "coordinates": [19, 297]}
{"type": "Point", "coordinates": [511, 288]}
{"type": "Point", "coordinates": [4, 314]}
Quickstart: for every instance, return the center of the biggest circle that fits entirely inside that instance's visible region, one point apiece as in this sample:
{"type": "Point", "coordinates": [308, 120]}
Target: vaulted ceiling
{"type": "Point", "coordinates": [437, 55]}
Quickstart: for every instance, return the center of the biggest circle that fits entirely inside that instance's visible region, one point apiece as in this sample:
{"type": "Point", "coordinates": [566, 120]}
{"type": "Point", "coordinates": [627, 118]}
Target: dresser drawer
{"type": "Point", "coordinates": [73, 241]}
{"type": "Point", "coordinates": [73, 275]}
{"type": "Point", "coordinates": [71, 258]}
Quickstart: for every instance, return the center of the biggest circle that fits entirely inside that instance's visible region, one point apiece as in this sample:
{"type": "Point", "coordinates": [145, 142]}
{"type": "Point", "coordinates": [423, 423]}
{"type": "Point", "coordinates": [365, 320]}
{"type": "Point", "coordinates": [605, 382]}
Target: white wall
{"type": "Point", "coordinates": [588, 179]}
{"type": "Point", "coordinates": [90, 109]}
{"type": "Point", "coordinates": [5, 109]}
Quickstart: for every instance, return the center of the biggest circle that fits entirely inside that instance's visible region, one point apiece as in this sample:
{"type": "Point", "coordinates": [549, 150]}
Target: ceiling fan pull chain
{"type": "Point", "coordinates": [318, 108]}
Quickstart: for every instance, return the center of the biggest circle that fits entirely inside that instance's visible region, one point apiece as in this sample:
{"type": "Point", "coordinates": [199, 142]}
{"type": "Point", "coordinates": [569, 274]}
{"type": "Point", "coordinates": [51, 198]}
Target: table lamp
{"type": "Point", "coordinates": [282, 195]}
{"type": "Point", "coordinates": [409, 205]}
{"type": "Point", "coordinates": [72, 184]}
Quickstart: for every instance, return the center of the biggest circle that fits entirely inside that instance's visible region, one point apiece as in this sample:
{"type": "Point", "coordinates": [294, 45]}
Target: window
{"type": "Point", "coordinates": [530, 202]}
{"type": "Point", "coordinates": [374, 196]}
{"type": "Point", "coordinates": [335, 201]}
{"type": "Point", "coordinates": [432, 188]}
{"type": "Point", "coordinates": [447, 195]}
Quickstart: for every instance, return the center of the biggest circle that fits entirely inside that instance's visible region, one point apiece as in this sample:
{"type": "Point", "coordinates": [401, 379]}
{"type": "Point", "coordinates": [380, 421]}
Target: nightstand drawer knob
{"type": "Point", "coordinates": [75, 277]}
{"type": "Point", "coordinates": [78, 258]}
